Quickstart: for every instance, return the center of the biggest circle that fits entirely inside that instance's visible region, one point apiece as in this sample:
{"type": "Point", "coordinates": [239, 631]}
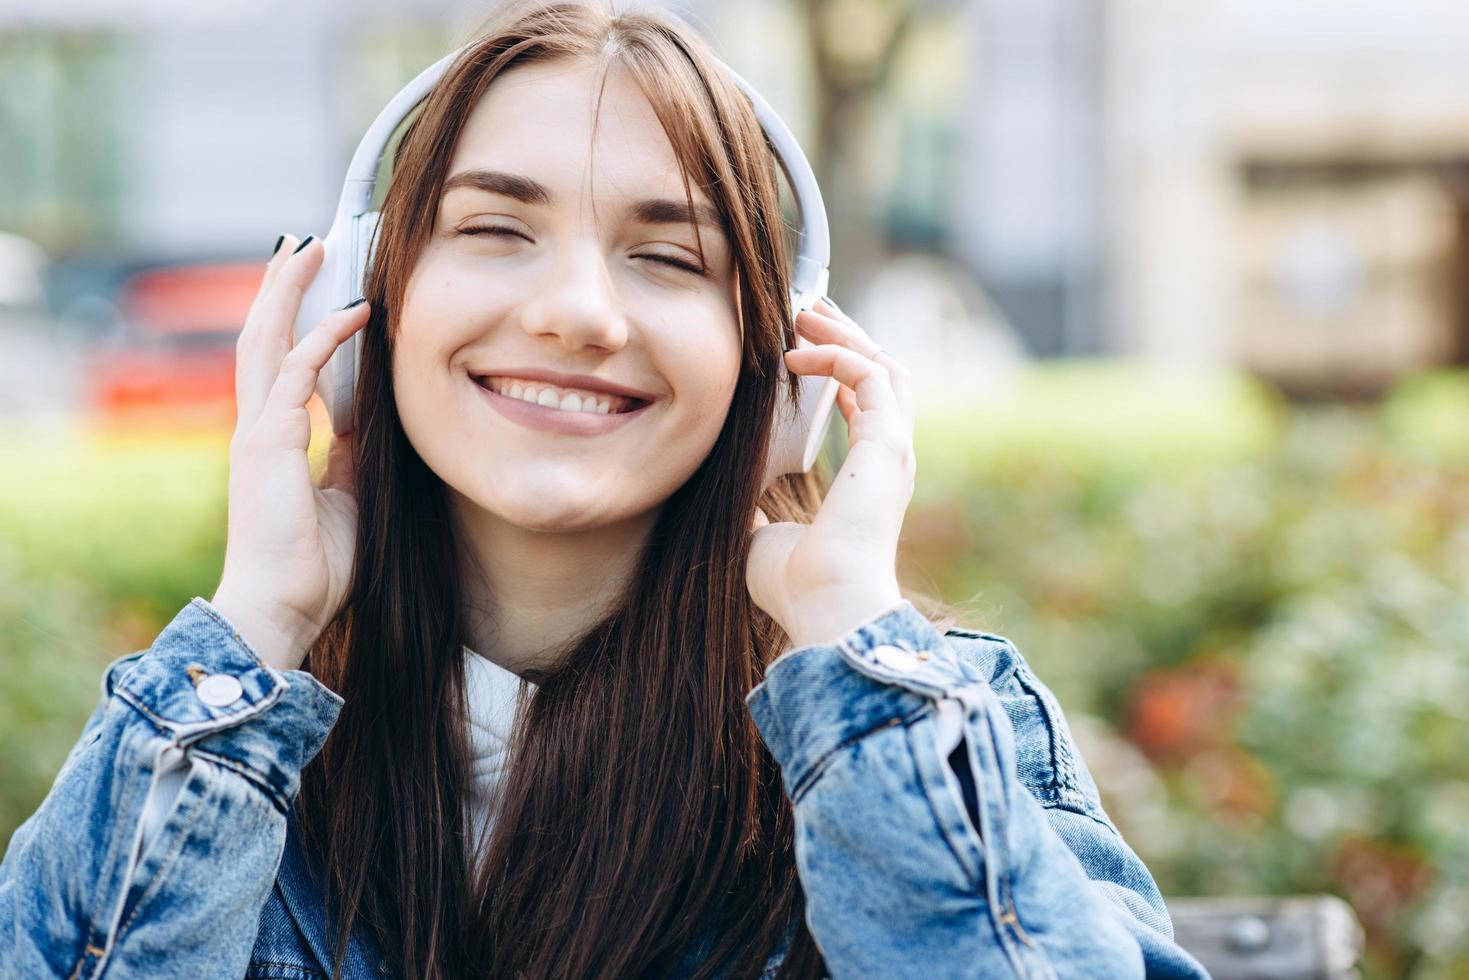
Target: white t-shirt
{"type": "Point", "coordinates": [491, 691]}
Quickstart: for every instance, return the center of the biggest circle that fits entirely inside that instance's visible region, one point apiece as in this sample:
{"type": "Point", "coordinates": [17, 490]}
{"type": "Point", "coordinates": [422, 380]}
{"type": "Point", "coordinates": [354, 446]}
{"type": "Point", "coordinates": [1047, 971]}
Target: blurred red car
{"type": "Point", "coordinates": [172, 357]}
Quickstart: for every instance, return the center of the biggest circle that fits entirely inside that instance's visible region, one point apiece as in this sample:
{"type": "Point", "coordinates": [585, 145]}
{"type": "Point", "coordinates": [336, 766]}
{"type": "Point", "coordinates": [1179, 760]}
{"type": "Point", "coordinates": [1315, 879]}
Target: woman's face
{"type": "Point", "coordinates": [559, 251]}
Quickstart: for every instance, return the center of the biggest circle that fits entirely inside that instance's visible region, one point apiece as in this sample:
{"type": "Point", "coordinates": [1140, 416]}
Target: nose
{"type": "Point", "coordinates": [575, 303]}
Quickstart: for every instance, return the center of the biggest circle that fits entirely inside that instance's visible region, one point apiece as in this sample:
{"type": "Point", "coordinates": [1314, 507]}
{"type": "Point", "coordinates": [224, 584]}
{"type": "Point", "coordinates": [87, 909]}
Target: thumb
{"type": "Point", "coordinates": [765, 567]}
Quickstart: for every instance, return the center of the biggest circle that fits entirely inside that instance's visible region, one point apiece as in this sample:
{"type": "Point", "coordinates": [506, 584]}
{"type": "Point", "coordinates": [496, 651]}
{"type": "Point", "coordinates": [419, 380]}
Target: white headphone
{"type": "Point", "coordinates": [797, 436]}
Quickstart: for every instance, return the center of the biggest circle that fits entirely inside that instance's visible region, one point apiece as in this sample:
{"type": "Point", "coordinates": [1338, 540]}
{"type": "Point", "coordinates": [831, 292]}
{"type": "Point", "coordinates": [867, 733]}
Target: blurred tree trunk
{"type": "Point", "coordinates": [854, 45]}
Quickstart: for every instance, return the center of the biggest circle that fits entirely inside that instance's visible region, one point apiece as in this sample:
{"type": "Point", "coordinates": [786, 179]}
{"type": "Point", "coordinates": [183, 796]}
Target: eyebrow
{"type": "Point", "coordinates": [662, 211]}
{"type": "Point", "coordinates": [495, 182]}
{"type": "Point", "coordinates": [653, 211]}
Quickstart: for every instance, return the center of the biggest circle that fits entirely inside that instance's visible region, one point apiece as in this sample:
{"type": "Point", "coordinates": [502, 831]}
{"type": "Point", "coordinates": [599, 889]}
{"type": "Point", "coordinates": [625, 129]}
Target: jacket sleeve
{"type": "Point", "coordinates": [82, 895]}
{"type": "Point", "coordinates": [945, 823]}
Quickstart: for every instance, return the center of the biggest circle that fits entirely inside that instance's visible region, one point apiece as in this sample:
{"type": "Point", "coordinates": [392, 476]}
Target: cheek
{"type": "Point", "coordinates": [442, 312]}
{"type": "Point", "coordinates": [707, 373]}
{"type": "Point", "coordinates": [432, 298]}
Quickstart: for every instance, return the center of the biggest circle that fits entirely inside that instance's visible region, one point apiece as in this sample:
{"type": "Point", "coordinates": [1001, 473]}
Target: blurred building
{"type": "Point", "coordinates": [1286, 185]}
{"type": "Point", "coordinates": [1277, 185]}
{"type": "Point", "coordinates": [174, 127]}
{"type": "Point", "coordinates": [1031, 199]}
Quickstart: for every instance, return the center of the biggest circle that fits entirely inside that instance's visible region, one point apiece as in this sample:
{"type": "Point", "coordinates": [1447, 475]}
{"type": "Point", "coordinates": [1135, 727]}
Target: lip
{"type": "Point", "coordinates": [545, 419]}
{"type": "Point", "coordinates": [568, 381]}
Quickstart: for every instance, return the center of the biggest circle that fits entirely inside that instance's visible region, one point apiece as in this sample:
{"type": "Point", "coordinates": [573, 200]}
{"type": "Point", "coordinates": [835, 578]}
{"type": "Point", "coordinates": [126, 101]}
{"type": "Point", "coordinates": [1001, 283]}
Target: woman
{"type": "Point", "coordinates": [736, 750]}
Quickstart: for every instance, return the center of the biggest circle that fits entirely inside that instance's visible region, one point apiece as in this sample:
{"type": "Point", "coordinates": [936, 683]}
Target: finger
{"type": "Point", "coordinates": [868, 379]}
{"type": "Point", "coordinates": [902, 384]}
{"type": "Point", "coordinates": [288, 243]}
{"type": "Point", "coordinates": [277, 314]}
{"type": "Point", "coordinates": [822, 327]}
{"type": "Point", "coordinates": [829, 307]}
{"type": "Point", "coordinates": [878, 417]}
{"type": "Point", "coordinates": [827, 328]}
{"type": "Point", "coordinates": [769, 556]}
{"type": "Point", "coordinates": [300, 368]}
{"type": "Point", "coordinates": [245, 342]}
{"type": "Point", "coordinates": [273, 266]}
{"type": "Point", "coordinates": [267, 336]}
{"type": "Point", "coordinates": [847, 402]}
{"type": "Point", "coordinates": [250, 330]}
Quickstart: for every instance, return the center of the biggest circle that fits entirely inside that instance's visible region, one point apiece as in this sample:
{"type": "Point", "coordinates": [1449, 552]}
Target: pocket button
{"type": "Point", "coordinates": [219, 690]}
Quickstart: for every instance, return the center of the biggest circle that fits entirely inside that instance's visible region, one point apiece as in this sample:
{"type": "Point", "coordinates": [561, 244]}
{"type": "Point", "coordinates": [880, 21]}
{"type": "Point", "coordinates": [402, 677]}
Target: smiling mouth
{"type": "Point", "coordinates": [572, 401]}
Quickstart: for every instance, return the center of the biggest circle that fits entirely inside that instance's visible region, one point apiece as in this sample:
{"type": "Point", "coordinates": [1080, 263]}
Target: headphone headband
{"type": "Point", "coordinates": [809, 278]}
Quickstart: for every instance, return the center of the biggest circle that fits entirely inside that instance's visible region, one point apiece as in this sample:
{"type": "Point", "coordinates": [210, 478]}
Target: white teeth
{"type": "Point", "coordinates": [571, 402]}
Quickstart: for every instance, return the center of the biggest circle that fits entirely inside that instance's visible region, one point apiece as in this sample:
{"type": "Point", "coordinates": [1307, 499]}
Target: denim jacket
{"type": "Point", "coordinates": [993, 860]}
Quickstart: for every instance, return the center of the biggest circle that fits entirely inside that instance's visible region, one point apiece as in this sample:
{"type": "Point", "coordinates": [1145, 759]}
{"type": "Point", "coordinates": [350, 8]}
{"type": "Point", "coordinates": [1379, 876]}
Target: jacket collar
{"type": "Point", "coordinates": [299, 880]}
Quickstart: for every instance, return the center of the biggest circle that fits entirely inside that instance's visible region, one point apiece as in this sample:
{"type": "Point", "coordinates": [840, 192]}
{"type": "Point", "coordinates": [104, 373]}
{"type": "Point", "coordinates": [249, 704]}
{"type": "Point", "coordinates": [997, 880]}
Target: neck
{"type": "Point", "coordinates": [528, 593]}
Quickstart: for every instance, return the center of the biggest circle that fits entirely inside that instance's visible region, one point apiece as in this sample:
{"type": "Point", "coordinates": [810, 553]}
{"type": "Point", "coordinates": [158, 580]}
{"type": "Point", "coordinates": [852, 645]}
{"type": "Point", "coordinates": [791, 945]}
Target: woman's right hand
{"type": "Point", "coordinates": [289, 549]}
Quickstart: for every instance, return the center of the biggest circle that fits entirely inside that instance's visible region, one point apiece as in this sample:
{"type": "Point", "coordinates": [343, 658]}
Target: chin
{"type": "Point", "coordinates": [549, 511]}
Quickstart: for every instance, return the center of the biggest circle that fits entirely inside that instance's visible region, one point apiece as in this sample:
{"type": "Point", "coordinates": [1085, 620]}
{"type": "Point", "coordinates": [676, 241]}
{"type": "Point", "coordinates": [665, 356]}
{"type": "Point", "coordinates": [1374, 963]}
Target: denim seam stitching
{"type": "Point", "coordinates": [1064, 780]}
{"type": "Point", "coordinates": [112, 679]}
{"type": "Point", "coordinates": [277, 798]}
{"type": "Point", "coordinates": [1062, 786]}
{"type": "Point", "coordinates": [996, 852]}
{"type": "Point", "coordinates": [118, 850]}
{"type": "Point", "coordinates": [922, 686]}
{"type": "Point", "coordinates": [131, 858]}
{"type": "Point", "coordinates": [189, 731]}
{"type": "Point", "coordinates": [1021, 947]}
{"type": "Point", "coordinates": [815, 770]}
{"type": "Point", "coordinates": [978, 841]}
{"type": "Point", "coordinates": [171, 857]}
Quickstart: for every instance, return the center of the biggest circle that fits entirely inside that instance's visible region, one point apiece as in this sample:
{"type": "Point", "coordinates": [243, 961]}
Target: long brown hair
{"type": "Point", "coordinates": [640, 806]}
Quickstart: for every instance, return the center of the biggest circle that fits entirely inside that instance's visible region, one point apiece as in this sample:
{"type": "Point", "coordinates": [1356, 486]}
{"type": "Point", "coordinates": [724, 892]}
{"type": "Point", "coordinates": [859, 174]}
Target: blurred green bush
{"type": "Point", "coordinates": [102, 540]}
{"type": "Point", "coordinates": [1251, 612]}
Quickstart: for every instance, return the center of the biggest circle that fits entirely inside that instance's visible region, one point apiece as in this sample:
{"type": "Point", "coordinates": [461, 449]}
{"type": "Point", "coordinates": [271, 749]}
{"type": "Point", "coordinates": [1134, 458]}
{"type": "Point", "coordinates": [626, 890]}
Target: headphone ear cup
{"type": "Point", "coordinates": [366, 244]}
{"type": "Point", "coordinates": [343, 366]}
{"type": "Point", "coordinates": [320, 297]}
{"type": "Point", "coordinates": [338, 282]}
{"type": "Point", "coordinates": [797, 433]}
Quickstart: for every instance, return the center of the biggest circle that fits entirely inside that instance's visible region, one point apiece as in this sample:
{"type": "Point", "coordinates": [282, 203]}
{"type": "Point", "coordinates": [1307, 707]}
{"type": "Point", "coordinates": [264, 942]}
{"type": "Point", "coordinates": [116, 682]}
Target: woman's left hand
{"type": "Point", "coordinates": [820, 580]}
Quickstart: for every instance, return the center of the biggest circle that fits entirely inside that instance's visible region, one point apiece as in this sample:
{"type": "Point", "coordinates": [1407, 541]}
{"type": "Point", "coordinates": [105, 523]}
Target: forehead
{"type": "Point", "coordinates": [543, 121]}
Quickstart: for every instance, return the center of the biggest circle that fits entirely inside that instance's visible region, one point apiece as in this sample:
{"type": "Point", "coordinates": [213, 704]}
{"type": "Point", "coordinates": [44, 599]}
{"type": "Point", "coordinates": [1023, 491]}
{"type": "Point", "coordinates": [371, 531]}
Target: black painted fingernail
{"type": "Point", "coordinates": [277, 248]}
{"type": "Point", "coordinates": [304, 242]}
{"type": "Point", "coordinates": [356, 302]}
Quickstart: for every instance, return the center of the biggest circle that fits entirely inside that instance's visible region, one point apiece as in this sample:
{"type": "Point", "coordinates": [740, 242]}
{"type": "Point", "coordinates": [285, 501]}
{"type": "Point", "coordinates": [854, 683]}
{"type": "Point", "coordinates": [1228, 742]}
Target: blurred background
{"type": "Point", "coordinates": [1185, 286]}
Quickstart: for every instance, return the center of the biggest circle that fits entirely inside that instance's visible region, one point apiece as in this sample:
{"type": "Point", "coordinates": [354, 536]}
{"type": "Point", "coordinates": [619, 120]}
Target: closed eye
{"type": "Point", "coordinates": [493, 230]}
{"type": "Point", "coordinates": [501, 231]}
{"type": "Point", "coordinates": [676, 263]}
